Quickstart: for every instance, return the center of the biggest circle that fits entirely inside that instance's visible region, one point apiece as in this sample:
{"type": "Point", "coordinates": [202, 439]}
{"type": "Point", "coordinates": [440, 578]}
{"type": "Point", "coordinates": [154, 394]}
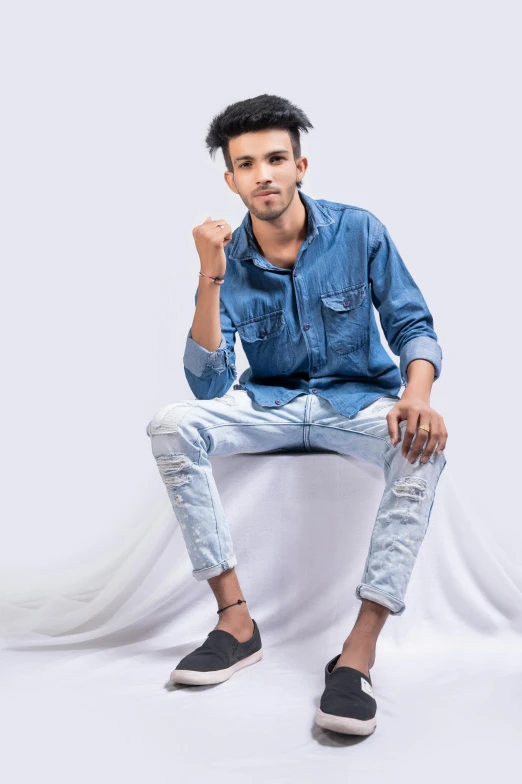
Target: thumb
{"type": "Point", "coordinates": [207, 220]}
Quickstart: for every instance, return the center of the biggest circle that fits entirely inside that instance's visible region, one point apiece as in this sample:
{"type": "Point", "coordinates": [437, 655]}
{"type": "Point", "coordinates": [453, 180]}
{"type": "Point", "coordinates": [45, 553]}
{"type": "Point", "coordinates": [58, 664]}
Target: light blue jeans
{"type": "Point", "coordinates": [185, 433]}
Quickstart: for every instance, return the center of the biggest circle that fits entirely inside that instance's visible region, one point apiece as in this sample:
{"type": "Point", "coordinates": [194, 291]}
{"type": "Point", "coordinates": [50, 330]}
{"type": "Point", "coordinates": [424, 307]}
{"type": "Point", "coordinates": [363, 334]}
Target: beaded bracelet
{"type": "Point", "coordinates": [216, 279]}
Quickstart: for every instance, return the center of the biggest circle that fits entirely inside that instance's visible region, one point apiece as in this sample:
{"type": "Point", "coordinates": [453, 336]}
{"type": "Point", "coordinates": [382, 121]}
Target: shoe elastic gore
{"type": "Point", "coordinates": [347, 704]}
{"type": "Point", "coordinates": [218, 658]}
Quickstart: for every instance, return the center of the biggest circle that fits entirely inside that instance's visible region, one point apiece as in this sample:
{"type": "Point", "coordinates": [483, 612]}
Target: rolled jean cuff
{"type": "Point", "coordinates": [215, 571]}
{"type": "Point", "coordinates": [364, 591]}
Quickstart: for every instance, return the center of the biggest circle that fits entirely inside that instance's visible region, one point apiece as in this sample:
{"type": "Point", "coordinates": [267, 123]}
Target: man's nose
{"type": "Point", "coordinates": [263, 173]}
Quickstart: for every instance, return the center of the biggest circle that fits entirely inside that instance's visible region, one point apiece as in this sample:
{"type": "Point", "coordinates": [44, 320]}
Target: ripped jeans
{"type": "Point", "coordinates": [185, 433]}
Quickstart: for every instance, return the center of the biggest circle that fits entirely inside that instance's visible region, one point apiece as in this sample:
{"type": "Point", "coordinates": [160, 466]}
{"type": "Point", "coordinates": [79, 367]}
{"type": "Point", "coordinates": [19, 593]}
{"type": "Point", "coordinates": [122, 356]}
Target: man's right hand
{"type": "Point", "coordinates": [210, 244]}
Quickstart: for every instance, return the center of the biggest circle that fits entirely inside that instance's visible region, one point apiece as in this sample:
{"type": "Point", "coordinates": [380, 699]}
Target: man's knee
{"type": "Point", "coordinates": [170, 418]}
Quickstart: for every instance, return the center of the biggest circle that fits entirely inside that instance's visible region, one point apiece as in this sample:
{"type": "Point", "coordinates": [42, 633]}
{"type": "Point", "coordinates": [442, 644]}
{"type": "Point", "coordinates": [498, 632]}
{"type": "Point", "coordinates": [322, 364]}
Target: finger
{"type": "Point", "coordinates": [436, 429]}
{"type": "Point", "coordinates": [410, 431]}
{"type": "Point", "coordinates": [393, 426]}
{"type": "Point", "coordinates": [430, 446]}
{"type": "Point", "coordinates": [442, 441]}
{"type": "Point", "coordinates": [421, 437]}
{"type": "Point", "coordinates": [212, 225]}
{"type": "Point", "coordinates": [224, 229]}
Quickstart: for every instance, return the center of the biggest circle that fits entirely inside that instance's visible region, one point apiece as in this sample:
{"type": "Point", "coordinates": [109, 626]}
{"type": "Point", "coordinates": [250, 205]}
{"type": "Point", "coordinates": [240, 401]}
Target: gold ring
{"type": "Point", "coordinates": [424, 427]}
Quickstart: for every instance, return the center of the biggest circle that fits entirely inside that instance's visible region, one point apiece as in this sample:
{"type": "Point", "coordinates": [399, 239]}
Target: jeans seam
{"type": "Point", "coordinates": [213, 507]}
{"type": "Point", "coordinates": [289, 424]}
{"type": "Point", "coordinates": [370, 548]}
{"type": "Point", "coordinates": [245, 424]}
{"type": "Point", "coordinates": [349, 430]}
{"type": "Point", "coordinates": [251, 424]}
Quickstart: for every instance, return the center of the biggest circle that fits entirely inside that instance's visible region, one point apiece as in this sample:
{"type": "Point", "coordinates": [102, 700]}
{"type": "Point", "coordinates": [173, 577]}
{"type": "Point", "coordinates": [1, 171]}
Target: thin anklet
{"type": "Point", "coordinates": [239, 601]}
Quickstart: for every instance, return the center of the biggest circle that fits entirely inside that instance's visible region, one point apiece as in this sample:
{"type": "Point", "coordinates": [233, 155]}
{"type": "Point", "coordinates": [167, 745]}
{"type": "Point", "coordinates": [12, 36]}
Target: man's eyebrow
{"type": "Point", "coordinates": [250, 157]}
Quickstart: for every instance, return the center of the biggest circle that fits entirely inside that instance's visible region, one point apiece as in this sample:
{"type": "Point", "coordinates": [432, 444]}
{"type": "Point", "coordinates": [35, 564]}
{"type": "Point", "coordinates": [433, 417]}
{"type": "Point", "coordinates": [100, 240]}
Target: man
{"type": "Point", "coordinates": [297, 280]}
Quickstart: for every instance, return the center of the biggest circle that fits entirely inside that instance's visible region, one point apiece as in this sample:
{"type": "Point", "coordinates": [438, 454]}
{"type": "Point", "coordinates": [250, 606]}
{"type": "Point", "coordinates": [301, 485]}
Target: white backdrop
{"type": "Point", "coordinates": [104, 175]}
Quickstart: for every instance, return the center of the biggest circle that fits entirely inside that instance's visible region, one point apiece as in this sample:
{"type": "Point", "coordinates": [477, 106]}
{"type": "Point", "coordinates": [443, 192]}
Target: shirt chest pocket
{"type": "Point", "coordinates": [267, 345]}
{"type": "Point", "coordinates": [346, 319]}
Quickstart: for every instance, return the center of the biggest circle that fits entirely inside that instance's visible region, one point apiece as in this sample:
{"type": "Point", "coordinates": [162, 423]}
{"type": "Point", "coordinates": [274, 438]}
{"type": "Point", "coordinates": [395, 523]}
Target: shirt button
{"type": "Point", "coordinates": [314, 389]}
{"type": "Point", "coordinates": [262, 333]}
{"type": "Point", "coordinates": [306, 326]}
{"type": "Point", "coordinates": [295, 273]}
{"type": "Point", "coordinates": [278, 401]}
{"type": "Point", "coordinates": [314, 369]}
{"type": "Point", "coordinates": [346, 303]}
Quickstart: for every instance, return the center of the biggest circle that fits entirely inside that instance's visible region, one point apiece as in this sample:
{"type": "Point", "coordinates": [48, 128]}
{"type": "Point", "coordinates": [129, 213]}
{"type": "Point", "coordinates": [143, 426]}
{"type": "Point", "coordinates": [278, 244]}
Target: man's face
{"type": "Point", "coordinates": [264, 161]}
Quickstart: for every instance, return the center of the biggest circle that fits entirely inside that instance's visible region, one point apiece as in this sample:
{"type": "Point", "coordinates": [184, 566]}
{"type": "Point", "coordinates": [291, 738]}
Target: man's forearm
{"type": "Point", "coordinates": [206, 325]}
{"type": "Point", "coordinates": [420, 379]}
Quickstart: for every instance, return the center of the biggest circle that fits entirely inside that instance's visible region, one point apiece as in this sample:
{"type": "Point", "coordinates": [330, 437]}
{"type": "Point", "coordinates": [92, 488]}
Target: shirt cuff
{"type": "Point", "coordinates": [197, 359]}
{"type": "Point", "coordinates": [421, 347]}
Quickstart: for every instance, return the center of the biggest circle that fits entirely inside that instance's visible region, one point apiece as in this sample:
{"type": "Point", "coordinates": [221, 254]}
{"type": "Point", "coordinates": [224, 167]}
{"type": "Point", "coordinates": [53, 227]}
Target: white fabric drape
{"type": "Point", "coordinates": [102, 645]}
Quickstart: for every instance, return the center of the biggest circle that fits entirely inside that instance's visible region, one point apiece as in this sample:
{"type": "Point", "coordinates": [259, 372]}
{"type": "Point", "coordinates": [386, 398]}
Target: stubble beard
{"type": "Point", "coordinates": [270, 213]}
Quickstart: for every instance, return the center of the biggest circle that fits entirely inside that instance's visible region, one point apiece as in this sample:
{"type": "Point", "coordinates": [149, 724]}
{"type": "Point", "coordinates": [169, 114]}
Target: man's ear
{"type": "Point", "coordinates": [301, 165]}
{"type": "Point", "coordinates": [229, 179]}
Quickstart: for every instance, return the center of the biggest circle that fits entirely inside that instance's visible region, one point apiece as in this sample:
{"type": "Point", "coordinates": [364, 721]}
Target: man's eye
{"type": "Point", "coordinates": [275, 158]}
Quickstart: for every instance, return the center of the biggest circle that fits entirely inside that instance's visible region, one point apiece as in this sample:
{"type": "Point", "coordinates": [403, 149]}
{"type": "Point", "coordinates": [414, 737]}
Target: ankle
{"type": "Point", "coordinates": [224, 606]}
{"type": "Point", "coordinates": [364, 647]}
{"type": "Point", "coordinates": [237, 618]}
{"type": "Point", "coordinates": [234, 612]}
{"type": "Point", "coordinates": [240, 625]}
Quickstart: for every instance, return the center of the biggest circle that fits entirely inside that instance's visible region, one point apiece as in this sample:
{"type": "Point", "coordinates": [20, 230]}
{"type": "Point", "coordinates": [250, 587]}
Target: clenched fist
{"type": "Point", "coordinates": [211, 239]}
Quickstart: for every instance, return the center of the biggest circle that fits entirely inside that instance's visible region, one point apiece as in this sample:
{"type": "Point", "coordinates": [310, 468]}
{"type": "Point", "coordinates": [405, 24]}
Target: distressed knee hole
{"type": "Point", "coordinates": [171, 470]}
{"type": "Point", "coordinates": [410, 487]}
{"type": "Point", "coordinates": [170, 420]}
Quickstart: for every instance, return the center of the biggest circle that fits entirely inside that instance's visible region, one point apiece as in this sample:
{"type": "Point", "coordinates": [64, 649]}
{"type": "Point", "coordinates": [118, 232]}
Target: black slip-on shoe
{"type": "Point", "coordinates": [219, 657]}
{"type": "Point", "coordinates": [347, 703]}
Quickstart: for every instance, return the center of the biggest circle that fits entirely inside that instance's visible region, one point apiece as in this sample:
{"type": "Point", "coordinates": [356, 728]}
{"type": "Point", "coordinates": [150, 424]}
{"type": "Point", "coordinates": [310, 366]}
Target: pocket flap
{"type": "Point", "coordinates": [262, 327]}
{"type": "Point", "coordinates": [345, 300]}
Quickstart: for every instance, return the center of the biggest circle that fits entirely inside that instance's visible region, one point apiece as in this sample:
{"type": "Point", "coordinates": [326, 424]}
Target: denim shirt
{"type": "Point", "coordinates": [311, 328]}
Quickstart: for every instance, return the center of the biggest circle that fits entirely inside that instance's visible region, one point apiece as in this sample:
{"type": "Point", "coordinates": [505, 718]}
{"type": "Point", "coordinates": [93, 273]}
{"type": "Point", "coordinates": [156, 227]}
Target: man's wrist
{"type": "Point", "coordinates": [411, 391]}
{"type": "Point", "coordinates": [420, 379]}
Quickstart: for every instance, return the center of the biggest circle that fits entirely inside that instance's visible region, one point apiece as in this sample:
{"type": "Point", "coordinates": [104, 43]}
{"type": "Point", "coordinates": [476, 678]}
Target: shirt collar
{"type": "Point", "coordinates": [244, 247]}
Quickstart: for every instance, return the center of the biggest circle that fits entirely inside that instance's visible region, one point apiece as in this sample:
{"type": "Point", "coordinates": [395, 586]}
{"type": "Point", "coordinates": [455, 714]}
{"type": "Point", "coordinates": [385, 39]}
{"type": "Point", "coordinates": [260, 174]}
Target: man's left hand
{"type": "Point", "coordinates": [417, 412]}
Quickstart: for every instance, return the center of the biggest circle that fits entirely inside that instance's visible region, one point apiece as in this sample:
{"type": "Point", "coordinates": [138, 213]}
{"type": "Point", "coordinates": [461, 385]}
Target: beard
{"type": "Point", "coordinates": [266, 211]}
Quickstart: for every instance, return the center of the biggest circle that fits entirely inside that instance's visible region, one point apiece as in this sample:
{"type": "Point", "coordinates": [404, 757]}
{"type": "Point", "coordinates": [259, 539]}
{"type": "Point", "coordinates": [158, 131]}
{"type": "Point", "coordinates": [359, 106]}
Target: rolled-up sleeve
{"type": "Point", "coordinates": [197, 359]}
{"type": "Point", "coordinates": [211, 373]}
{"type": "Point", "coordinates": [404, 315]}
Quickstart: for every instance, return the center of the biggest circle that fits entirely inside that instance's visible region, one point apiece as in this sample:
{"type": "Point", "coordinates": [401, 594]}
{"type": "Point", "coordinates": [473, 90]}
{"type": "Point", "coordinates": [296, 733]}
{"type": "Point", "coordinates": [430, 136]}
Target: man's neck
{"type": "Point", "coordinates": [278, 239]}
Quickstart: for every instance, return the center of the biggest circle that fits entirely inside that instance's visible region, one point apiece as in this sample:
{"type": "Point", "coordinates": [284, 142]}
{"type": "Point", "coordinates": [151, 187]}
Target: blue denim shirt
{"type": "Point", "coordinates": [311, 328]}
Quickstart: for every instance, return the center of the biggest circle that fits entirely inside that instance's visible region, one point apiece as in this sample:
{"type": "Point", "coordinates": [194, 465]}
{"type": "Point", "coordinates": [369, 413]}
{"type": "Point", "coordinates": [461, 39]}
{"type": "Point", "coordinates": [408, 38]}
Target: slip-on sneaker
{"type": "Point", "coordinates": [219, 657]}
{"type": "Point", "coordinates": [347, 703]}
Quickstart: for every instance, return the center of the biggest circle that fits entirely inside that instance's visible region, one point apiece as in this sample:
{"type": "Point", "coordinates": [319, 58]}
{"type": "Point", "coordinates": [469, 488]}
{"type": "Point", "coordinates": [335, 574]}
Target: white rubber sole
{"type": "Point", "coordinates": [195, 678]}
{"type": "Point", "coordinates": [344, 724]}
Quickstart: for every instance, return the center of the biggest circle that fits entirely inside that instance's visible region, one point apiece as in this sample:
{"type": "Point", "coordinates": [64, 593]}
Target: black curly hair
{"type": "Point", "coordinates": [256, 114]}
